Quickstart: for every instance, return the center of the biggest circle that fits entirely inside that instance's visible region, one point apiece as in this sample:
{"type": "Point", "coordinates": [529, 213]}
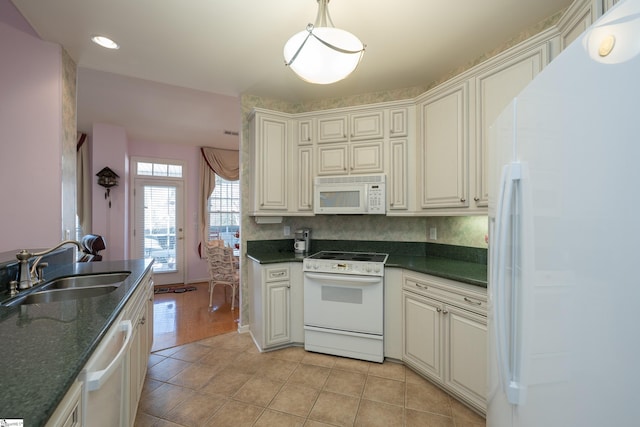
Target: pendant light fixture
{"type": "Point", "coordinates": [321, 53]}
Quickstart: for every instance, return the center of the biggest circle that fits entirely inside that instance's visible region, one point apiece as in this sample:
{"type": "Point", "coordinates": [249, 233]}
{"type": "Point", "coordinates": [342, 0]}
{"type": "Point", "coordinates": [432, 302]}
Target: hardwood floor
{"type": "Point", "coordinates": [182, 318]}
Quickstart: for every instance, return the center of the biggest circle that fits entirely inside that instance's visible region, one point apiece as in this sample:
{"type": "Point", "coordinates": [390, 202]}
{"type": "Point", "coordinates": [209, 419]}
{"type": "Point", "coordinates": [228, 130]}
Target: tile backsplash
{"type": "Point", "coordinates": [459, 231]}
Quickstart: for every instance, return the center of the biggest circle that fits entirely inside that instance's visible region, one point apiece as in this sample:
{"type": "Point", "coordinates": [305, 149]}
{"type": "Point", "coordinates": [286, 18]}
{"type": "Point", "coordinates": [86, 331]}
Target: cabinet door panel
{"type": "Point", "coordinates": [444, 150]}
{"type": "Point", "coordinates": [367, 126]}
{"type": "Point", "coordinates": [366, 157]}
{"type": "Point", "coordinates": [278, 326]}
{"type": "Point", "coordinates": [399, 122]}
{"type": "Point", "coordinates": [495, 88]}
{"type": "Point", "coordinates": [332, 129]}
{"type": "Point", "coordinates": [305, 178]}
{"type": "Point", "coordinates": [467, 345]}
{"type": "Point", "coordinates": [304, 132]}
{"type": "Point", "coordinates": [273, 165]}
{"type": "Point", "coordinates": [332, 159]}
{"type": "Point", "coordinates": [398, 178]}
{"type": "Point", "coordinates": [422, 334]}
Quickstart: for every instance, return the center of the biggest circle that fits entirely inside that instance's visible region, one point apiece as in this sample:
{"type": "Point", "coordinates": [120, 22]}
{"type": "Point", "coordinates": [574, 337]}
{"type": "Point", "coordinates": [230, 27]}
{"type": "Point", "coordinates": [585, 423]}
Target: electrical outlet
{"type": "Point", "coordinates": [433, 233]}
{"type": "Point", "coordinates": [287, 230]}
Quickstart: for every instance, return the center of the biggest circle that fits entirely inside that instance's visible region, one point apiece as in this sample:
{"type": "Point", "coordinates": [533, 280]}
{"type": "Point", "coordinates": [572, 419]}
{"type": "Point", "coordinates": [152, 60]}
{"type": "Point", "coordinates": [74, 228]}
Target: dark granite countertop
{"type": "Point", "coordinates": [45, 346]}
{"type": "Point", "coordinates": [467, 265]}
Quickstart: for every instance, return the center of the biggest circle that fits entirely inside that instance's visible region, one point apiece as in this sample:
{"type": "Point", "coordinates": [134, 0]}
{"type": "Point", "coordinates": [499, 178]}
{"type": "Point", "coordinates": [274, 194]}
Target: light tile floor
{"type": "Point", "coordinates": [225, 381]}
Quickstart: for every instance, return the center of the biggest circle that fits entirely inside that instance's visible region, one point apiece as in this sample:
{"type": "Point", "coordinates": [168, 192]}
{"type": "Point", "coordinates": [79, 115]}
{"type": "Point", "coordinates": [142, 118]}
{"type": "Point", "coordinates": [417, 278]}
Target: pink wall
{"type": "Point", "coordinates": [12, 17]}
{"type": "Point", "coordinates": [196, 268]}
{"type": "Point", "coordinates": [30, 137]}
{"type": "Point", "coordinates": [109, 149]}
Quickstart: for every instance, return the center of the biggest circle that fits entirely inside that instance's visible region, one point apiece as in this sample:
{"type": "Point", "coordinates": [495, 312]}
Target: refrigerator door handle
{"type": "Point", "coordinates": [513, 389]}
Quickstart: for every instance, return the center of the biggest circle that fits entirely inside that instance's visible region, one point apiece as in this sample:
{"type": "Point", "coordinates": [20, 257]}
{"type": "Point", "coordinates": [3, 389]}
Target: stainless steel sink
{"type": "Point", "coordinates": [54, 295]}
{"type": "Point", "coordinates": [72, 287]}
{"type": "Point", "coordinates": [84, 281]}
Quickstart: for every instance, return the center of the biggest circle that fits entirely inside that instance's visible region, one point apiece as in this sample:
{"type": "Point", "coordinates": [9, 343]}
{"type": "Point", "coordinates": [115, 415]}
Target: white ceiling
{"type": "Point", "coordinates": [183, 63]}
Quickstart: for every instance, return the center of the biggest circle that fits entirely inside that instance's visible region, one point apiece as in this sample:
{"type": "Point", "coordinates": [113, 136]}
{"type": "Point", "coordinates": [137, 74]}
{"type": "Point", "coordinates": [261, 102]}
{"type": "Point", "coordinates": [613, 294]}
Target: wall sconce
{"type": "Point", "coordinates": [107, 179]}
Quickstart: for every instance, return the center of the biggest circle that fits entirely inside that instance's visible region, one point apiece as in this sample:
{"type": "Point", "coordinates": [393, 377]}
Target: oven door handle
{"type": "Point", "coordinates": [348, 279]}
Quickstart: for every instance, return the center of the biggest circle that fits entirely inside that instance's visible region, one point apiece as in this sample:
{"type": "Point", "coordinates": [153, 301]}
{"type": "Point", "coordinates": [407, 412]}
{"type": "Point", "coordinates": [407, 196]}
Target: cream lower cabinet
{"type": "Point", "coordinates": [141, 315]}
{"type": "Point", "coordinates": [444, 335]}
{"type": "Point", "coordinates": [393, 313]}
{"type": "Point", "coordinates": [69, 411]}
{"type": "Point", "coordinates": [274, 319]}
{"type": "Point", "coordinates": [74, 410]}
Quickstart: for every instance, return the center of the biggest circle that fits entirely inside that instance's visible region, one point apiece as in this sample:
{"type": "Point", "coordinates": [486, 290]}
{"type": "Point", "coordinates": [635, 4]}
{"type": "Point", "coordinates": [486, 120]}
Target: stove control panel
{"type": "Point", "coordinates": [345, 267]}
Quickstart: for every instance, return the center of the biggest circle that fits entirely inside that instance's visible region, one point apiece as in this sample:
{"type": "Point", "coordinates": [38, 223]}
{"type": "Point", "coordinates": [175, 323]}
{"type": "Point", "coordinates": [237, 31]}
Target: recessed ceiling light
{"type": "Point", "coordinates": [105, 42]}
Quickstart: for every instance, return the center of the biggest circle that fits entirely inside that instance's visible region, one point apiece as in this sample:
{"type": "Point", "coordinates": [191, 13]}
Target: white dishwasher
{"type": "Point", "coordinates": [104, 379]}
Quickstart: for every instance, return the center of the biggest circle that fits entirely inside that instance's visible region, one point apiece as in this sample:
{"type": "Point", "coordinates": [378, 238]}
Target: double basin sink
{"type": "Point", "coordinates": [70, 288]}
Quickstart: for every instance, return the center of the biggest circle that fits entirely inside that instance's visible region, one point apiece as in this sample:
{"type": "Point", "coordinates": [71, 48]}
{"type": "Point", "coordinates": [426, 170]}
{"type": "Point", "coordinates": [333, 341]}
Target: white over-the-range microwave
{"type": "Point", "coordinates": [350, 194]}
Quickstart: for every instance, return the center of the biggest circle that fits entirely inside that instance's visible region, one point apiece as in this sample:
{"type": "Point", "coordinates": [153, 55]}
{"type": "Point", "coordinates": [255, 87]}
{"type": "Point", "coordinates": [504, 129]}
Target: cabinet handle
{"type": "Point", "coordinates": [143, 320]}
{"type": "Point", "coordinates": [470, 301]}
{"type": "Point", "coordinates": [476, 199]}
{"type": "Point", "coordinates": [421, 286]}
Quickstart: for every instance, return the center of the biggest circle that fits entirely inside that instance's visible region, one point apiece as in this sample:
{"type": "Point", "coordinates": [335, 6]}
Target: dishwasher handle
{"type": "Point", "coordinates": [96, 379]}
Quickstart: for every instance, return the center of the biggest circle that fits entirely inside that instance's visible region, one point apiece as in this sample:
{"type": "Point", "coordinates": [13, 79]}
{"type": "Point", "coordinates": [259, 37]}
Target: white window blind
{"type": "Point", "coordinates": [224, 212]}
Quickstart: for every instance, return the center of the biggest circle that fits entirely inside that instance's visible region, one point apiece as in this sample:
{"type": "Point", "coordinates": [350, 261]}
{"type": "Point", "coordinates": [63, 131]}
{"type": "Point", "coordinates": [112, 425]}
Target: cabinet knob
{"type": "Point", "coordinates": [445, 311]}
{"type": "Point", "coordinates": [438, 309]}
{"type": "Point", "coordinates": [476, 199]}
{"type": "Point", "coordinates": [143, 320]}
{"type": "Point", "coordinates": [463, 200]}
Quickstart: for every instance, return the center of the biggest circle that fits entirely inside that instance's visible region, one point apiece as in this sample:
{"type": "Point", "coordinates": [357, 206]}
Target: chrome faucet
{"type": "Point", "coordinates": [27, 278]}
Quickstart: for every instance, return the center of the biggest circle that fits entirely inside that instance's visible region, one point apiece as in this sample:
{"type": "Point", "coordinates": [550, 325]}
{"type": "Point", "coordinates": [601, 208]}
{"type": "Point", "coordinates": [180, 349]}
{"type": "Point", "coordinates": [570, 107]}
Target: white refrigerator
{"type": "Point", "coordinates": [564, 250]}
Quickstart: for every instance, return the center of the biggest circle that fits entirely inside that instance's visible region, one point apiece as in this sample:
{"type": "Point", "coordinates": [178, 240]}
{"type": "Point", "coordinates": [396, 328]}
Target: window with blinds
{"type": "Point", "coordinates": [224, 212]}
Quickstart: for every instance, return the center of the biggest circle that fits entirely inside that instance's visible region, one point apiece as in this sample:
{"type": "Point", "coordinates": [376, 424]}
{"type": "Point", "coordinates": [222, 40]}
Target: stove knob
{"type": "Point", "coordinates": [368, 268]}
{"type": "Point", "coordinates": [376, 269]}
{"type": "Point", "coordinates": [316, 266]}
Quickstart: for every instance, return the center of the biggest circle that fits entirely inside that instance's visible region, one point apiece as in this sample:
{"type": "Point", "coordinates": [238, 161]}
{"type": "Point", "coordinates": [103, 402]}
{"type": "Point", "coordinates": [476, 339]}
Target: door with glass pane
{"type": "Point", "coordinates": [158, 228]}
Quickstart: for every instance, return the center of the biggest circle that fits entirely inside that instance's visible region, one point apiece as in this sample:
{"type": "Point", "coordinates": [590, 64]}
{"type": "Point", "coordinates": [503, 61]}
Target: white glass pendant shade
{"type": "Point", "coordinates": [318, 63]}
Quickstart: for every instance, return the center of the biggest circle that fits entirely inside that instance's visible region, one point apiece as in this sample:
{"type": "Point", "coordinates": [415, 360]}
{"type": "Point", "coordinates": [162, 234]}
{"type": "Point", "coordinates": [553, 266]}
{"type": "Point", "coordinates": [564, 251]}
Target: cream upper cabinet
{"type": "Point", "coordinates": [356, 126]}
{"type": "Point", "coordinates": [366, 125]}
{"type": "Point", "coordinates": [398, 122]}
{"type": "Point", "coordinates": [270, 170]}
{"type": "Point", "coordinates": [304, 181]}
{"type": "Point", "coordinates": [577, 19]}
{"type": "Point", "coordinates": [366, 157]}
{"type": "Point", "coordinates": [333, 159]}
{"type": "Point", "coordinates": [497, 82]}
{"type": "Point", "coordinates": [305, 132]}
{"type": "Point", "coordinates": [398, 177]}
{"type": "Point", "coordinates": [443, 141]}
{"type": "Point", "coordinates": [333, 129]}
